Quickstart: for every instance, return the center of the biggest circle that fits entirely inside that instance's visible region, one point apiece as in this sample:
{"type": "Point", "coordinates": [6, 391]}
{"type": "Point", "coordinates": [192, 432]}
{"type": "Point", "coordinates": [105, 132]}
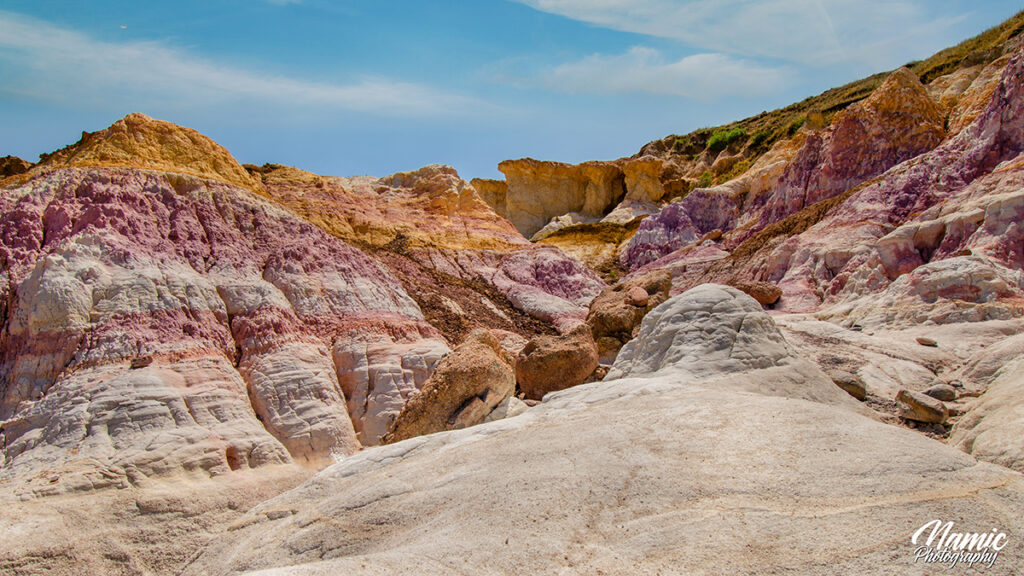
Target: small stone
{"type": "Point", "coordinates": [141, 362]}
{"type": "Point", "coordinates": [851, 383]}
{"type": "Point", "coordinates": [925, 341]}
{"type": "Point", "coordinates": [278, 514]}
{"type": "Point", "coordinates": [599, 373]}
{"type": "Point", "coordinates": [638, 296]}
{"type": "Point", "coordinates": [943, 392]}
{"type": "Point", "coordinates": [920, 408]}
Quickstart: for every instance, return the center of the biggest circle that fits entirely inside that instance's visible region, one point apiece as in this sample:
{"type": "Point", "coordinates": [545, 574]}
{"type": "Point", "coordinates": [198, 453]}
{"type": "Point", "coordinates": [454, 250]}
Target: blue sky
{"type": "Point", "coordinates": [374, 87]}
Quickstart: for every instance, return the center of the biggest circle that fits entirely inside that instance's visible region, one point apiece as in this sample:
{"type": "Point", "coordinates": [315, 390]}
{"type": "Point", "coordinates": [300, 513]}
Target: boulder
{"type": "Point", "coordinates": [851, 383]}
{"type": "Point", "coordinates": [925, 341]}
{"type": "Point", "coordinates": [710, 329]}
{"type": "Point", "coordinates": [466, 386]}
{"type": "Point", "coordinates": [638, 296]}
{"type": "Point", "coordinates": [615, 314]}
{"type": "Point", "coordinates": [942, 392]}
{"type": "Point", "coordinates": [921, 408]}
{"type": "Point", "coordinates": [550, 363]}
{"type": "Point", "coordinates": [765, 293]}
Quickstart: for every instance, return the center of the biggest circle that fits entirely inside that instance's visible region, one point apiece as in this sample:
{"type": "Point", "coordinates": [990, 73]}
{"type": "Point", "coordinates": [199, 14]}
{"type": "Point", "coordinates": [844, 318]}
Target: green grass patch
{"type": "Point", "coordinates": [724, 138]}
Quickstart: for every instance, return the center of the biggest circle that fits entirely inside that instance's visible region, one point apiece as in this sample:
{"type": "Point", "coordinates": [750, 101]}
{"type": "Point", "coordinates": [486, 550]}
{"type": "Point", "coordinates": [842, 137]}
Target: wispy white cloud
{"type": "Point", "coordinates": [645, 70]}
{"type": "Point", "coordinates": [43, 61]}
{"type": "Point", "coordinates": [818, 32]}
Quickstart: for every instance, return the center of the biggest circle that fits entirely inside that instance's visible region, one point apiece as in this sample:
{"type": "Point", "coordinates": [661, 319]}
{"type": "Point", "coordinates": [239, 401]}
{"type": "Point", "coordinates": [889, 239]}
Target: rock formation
{"type": "Point", "coordinates": [465, 266]}
{"type": "Point", "coordinates": [12, 165]}
{"type": "Point", "coordinates": [616, 312]}
{"type": "Point", "coordinates": [813, 332]}
{"type": "Point", "coordinates": [552, 363]}
{"type": "Point", "coordinates": [538, 191]}
{"type": "Point", "coordinates": [656, 454]}
{"type": "Point", "coordinates": [161, 316]}
{"type": "Point", "coordinates": [466, 386]}
{"type": "Point", "coordinates": [138, 141]}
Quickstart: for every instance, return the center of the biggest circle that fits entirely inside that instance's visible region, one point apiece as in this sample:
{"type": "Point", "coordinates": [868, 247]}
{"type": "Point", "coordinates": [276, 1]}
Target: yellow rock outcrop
{"type": "Point", "coordinates": [138, 141]}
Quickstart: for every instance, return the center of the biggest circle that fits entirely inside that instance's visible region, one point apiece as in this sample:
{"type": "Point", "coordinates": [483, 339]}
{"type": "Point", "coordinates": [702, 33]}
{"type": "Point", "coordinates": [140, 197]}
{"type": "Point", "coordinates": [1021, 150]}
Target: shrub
{"type": "Point", "coordinates": [721, 140]}
{"type": "Point", "coordinates": [795, 126]}
{"type": "Point", "coordinates": [706, 180]}
{"type": "Point", "coordinates": [759, 139]}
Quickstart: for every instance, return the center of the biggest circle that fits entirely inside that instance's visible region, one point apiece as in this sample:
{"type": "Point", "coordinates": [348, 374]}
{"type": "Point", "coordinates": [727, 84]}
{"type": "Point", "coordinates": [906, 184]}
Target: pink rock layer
{"type": "Point", "coordinates": [101, 267]}
{"type": "Point", "coordinates": [935, 237]}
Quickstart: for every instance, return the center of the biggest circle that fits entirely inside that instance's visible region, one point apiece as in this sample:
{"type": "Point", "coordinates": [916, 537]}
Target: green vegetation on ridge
{"type": "Point", "coordinates": [769, 127]}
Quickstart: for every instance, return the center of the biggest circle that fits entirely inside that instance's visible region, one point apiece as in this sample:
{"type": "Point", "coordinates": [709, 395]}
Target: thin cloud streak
{"type": "Point", "coordinates": [814, 32]}
{"type": "Point", "coordinates": [47, 62]}
{"type": "Point", "coordinates": [645, 70]}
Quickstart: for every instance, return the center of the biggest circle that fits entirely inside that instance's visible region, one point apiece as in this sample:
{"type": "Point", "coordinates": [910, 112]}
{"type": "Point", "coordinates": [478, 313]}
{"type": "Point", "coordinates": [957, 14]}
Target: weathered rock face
{"type": "Point", "coordinates": [897, 122]}
{"type": "Point", "coordinates": [379, 373]}
{"type": "Point", "coordinates": [615, 314]}
{"type": "Point", "coordinates": [173, 309]}
{"type": "Point", "coordinates": [934, 238]}
{"type": "Point", "coordinates": [595, 244]}
{"type": "Point", "coordinates": [138, 141]}
{"type": "Point", "coordinates": [538, 191]}
{"type": "Point", "coordinates": [464, 265]}
{"type": "Point", "coordinates": [493, 192]}
{"type": "Point", "coordinates": [551, 363]}
{"type": "Point", "coordinates": [991, 429]}
{"type": "Point", "coordinates": [635, 442]}
{"type": "Point", "coordinates": [102, 266]}
{"type": "Point", "coordinates": [975, 97]}
{"type": "Point", "coordinates": [12, 165]}
{"type": "Point", "coordinates": [708, 330]}
{"type": "Point", "coordinates": [466, 386]}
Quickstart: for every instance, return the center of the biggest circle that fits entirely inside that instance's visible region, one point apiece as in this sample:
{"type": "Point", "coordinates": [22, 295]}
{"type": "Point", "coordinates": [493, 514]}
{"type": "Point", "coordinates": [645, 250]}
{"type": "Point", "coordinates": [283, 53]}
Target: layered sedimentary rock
{"type": "Point", "coordinates": [138, 141]}
{"type": "Point", "coordinates": [464, 265]}
{"type": "Point", "coordinates": [166, 311]}
{"type": "Point", "coordinates": [954, 209]}
{"type": "Point", "coordinates": [897, 122]}
{"type": "Point", "coordinates": [663, 453]}
{"type": "Point", "coordinates": [932, 238]}
{"type": "Point", "coordinates": [538, 191]}
{"type": "Point", "coordinates": [107, 266]}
